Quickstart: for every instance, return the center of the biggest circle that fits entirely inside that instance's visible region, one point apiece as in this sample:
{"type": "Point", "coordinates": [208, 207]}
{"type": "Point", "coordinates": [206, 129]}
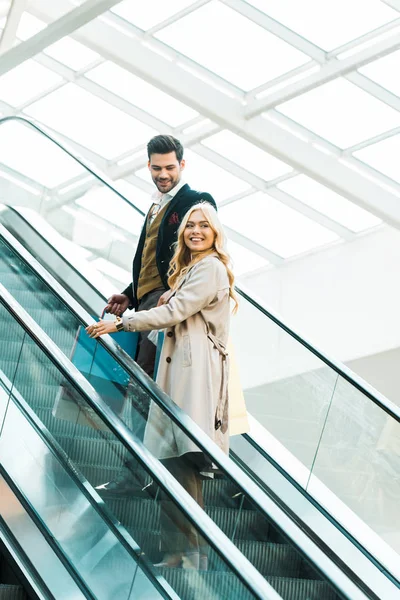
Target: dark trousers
{"type": "Point", "coordinates": [146, 353]}
{"type": "Point", "coordinates": [145, 357]}
{"type": "Point", "coordinates": [177, 532]}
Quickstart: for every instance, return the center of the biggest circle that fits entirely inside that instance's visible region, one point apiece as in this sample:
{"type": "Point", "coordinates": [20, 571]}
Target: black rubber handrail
{"type": "Point", "coordinates": [225, 549]}
{"type": "Point", "coordinates": [376, 397]}
{"type": "Point", "coordinates": [191, 429]}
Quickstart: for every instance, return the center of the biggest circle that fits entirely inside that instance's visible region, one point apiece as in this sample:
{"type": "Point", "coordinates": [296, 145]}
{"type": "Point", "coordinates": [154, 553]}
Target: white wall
{"type": "Point", "coordinates": [345, 299]}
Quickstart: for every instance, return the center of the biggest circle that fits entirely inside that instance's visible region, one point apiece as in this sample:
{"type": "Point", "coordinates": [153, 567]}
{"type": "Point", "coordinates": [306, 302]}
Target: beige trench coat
{"type": "Point", "coordinates": [192, 371]}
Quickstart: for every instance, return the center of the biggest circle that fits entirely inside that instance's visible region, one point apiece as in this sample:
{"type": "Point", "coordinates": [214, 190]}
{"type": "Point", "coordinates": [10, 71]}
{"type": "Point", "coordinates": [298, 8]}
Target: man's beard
{"type": "Point", "coordinates": [168, 185]}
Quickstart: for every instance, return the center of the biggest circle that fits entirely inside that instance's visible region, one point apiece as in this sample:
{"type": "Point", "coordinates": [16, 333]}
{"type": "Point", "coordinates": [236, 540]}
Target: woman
{"type": "Point", "coordinates": [193, 367]}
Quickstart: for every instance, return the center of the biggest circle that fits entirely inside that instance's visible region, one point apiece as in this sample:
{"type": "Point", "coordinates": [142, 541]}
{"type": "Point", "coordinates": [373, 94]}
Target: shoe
{"type": "Point", "coordinates": [124, 486]}
{"type": "Point", "coordinates": [170, 561]}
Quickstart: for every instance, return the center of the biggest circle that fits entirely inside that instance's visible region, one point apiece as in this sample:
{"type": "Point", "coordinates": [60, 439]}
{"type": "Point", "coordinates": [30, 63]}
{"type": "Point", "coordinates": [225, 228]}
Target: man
{"type": "Point", "coordinates": [171, 201]}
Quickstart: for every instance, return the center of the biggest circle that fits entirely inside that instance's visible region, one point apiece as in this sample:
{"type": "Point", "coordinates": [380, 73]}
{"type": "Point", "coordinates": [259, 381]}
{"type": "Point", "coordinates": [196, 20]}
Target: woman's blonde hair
{"type": "Point", "coordinates": [182, 259]}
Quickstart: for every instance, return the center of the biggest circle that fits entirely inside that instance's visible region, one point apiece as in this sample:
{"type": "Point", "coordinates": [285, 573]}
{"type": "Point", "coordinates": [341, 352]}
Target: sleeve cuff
{"type": "Point", "coordinates": [129, 322]}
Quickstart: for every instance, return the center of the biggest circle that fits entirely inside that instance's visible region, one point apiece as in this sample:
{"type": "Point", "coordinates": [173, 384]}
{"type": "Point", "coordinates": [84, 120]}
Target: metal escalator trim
{"type": "Point", "coordinates": [3, 229]}
{"type": "Point", "coordinates": [42, 527]}
{"type": "Point", "coordinates": [228, 552]}
{"type": "Point", "coordinates": [15, 552]}
{"type": "Point", "coordinates": [90, 494]}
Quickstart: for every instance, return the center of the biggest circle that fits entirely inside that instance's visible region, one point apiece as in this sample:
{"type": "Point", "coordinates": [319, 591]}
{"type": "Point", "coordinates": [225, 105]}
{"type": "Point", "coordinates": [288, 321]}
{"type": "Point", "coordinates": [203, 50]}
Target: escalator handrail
{"type": "Point", "coordinates": [358, 382]}
{"type": "Point", "coordinates": [87, 491]}
{"type": "Point", "coordinates": [242, 568]}
{"type": "Point", "coordinates": [49, 538]}
{"type": "Point", "coordinates": [249, 487]}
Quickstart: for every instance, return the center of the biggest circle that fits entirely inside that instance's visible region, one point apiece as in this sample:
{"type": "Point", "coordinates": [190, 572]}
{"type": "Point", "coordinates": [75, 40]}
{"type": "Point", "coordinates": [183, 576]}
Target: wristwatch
{"type": "Point", "coordinates": [119, 324]}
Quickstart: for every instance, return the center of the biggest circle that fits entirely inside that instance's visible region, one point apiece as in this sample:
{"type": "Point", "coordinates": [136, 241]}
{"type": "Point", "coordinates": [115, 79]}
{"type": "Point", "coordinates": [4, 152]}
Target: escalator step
{"type": "Point", "coordinates": [134, 513]}
{"type": "Point", "coordinates": [12, 592]}
{"type": "Point", "coordinates": [216, 585]}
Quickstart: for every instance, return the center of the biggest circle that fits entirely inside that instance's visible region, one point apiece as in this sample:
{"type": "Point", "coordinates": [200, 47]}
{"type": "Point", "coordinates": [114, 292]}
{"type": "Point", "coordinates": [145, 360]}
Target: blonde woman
{"type": "Point", "coordinates": [193, 368]}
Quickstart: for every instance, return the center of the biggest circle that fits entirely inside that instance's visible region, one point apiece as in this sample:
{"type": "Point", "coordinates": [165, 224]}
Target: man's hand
{"type": "Point", "coordinates": [101, 328]}
{"type": "Point", "coordinates": [117, 304]}
{"type": "Point", "coordinates": [164, 298]}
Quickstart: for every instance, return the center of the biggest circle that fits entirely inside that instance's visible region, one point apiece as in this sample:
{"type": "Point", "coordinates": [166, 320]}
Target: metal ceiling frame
{"type": "Point", "coordinates": [218, 100]}
{"type": "Point", "coordinates": [16, 9]}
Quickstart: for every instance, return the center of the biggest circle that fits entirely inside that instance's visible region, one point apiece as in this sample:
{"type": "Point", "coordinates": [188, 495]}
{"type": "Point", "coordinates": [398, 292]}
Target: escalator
{"type": "Point", "coordinates": [253, 452]}
{"type": "Point", "coordinates": [108, 548]}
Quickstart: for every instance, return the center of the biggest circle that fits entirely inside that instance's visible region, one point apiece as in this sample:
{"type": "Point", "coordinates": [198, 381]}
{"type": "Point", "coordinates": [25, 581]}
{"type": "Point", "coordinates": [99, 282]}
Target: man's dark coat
{"type": "Point", "coordinates": [176, 210]}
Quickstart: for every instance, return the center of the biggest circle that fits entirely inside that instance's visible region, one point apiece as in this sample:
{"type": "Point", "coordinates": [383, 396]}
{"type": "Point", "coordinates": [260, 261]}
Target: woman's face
{"type": "Point", "coordinates": [198, 235]}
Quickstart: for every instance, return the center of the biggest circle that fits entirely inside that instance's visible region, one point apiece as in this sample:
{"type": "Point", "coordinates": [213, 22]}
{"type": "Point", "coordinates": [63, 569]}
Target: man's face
{"type": "Point", "coordinates": [165, 171]}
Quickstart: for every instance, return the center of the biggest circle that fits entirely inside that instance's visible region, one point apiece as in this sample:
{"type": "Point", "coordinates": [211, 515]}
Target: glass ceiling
{"type": "Point", "coordinates": [289, 113]}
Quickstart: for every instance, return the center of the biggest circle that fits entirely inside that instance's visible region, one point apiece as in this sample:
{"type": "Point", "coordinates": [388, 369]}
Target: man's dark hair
{"type": "Point", "coordinates": [163, 144]}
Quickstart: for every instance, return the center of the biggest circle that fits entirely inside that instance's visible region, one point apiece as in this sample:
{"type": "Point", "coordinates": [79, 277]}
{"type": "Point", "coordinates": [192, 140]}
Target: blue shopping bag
{"type": "Point", "coordinates": [94, 361]}
{"type": "Point", "coordinates": [104, 373]}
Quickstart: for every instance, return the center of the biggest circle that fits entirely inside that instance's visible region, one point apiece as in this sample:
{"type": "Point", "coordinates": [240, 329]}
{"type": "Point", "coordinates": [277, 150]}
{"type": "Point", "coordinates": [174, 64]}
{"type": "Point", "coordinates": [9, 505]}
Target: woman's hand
{"type": "Point", "coordinates": [101, 328]}
{"type": "Point", "coordinates": [164, 298]}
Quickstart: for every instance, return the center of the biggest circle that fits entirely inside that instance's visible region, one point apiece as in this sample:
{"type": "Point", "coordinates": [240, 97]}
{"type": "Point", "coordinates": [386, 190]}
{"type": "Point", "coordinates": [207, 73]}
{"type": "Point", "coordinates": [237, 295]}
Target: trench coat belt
{"type": "Point", "coordinates": [221, 419]}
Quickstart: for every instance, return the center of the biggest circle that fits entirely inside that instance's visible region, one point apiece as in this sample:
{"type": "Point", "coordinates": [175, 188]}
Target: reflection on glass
{"type": "Point", "coordinates": [358, 460]}
{"type": "Point", "coordinates": [67, 514]}
{"type": "Point", "coordinates": [287, 389]}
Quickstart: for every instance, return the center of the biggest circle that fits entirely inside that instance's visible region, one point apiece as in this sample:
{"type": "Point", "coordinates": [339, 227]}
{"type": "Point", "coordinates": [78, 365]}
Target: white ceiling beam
{"type": "Point", "coordinates": [237, 237]}
{"type": "Point", "coordinates": [13, 19]}
{"type": "Point", "coordinates": [227, 112]}
{"type": "Point", "coordinates": [331, 70]}
{"type": "Point", "coordinates": [286, 34]}
{"type": "Point", "coordinates": [176, 17]}
{"type": "Point", "coordinates": [373, 88]}
{"type": "Point", "coordinates": [61, 27]}
{"type": "Point", "coordinates": [266, 187]}
{"type": "Point", "coordinates": [393, 4]}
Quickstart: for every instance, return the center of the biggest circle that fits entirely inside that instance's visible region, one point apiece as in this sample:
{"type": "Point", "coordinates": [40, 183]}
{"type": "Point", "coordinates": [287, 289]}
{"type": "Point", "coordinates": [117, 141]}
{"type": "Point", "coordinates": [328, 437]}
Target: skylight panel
{"type": "Point", "coordinates": [141, 94]}
{"type": "Point", "coordinates": [342, 113]}
{"type": "Point", "coordinates": [67, 51]}
{"type": "Point", "coordinates": [203, 175]}
{"type": "Point", "coordinates": [246, 155]}
{"type": "Point", "coordinates": [275, 226]}
{"type": "Point", "coordinates": [243, 260]}
{"type": "Point", "coordinates": [25, 82]}
{"type": "Point", "coordinates": [135, 195]}
{"type": "Point", "coordinates": [329, 203]}
{"type": "Point", "coordinates": [385, 71]}
{"type": "Point", "coordinates": [98, 200]}
{"type": "Point", "coordinates": [31, 154]}
{"type": "Point", "coordinates": [90, 121]}
{"type": "Point", "coordinates": [383, 156]}
{"type": "Point", "coordinates": [328, 24]}
{"type": "Point", "coordinates": [148, 14]}
{"type": "Point", "coordinates": [232, 46]}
